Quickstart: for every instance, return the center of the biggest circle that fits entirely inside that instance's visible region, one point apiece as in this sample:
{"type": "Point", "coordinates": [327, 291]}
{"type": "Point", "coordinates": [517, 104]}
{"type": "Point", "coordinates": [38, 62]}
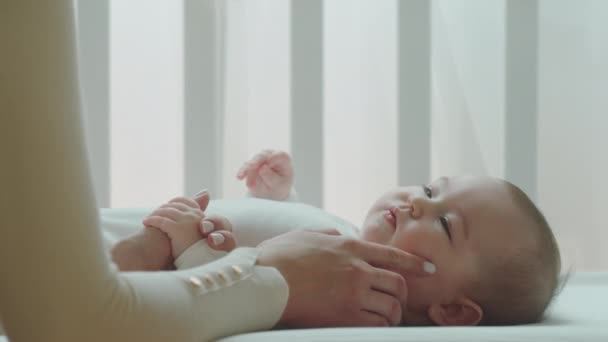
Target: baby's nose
{"type": "Point", "coordinates": [404, 209]}
{"type": "Point", "coordinates": [417, 206]}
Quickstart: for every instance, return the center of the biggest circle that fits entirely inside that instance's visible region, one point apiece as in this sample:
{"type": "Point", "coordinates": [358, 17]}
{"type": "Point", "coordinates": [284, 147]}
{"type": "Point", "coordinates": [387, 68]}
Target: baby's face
{"type": "Point", "coordinates": [451, 222]}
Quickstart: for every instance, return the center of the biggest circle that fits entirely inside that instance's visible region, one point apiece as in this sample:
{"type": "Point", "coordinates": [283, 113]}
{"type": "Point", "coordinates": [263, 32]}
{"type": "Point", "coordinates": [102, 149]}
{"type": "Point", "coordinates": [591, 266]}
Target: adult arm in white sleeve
{"type": "Point", "coordinates": [62, 287]}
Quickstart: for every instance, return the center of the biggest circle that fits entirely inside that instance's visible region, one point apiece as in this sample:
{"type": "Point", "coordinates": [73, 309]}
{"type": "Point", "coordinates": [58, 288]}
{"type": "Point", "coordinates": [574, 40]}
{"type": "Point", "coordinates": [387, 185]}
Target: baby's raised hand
{"type": "Point", "coordinates": [269, 174]}
{"type": "Point", "coordinates": [185, 222]}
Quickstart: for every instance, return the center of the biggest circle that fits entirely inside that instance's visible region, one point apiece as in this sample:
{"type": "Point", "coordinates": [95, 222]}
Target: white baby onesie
{"type": "Point", "coordinates": [255, 220]}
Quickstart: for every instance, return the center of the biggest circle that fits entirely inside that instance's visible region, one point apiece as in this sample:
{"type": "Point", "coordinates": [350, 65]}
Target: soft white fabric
{"type": "Point", "coordinates": [580, 313]}
{"type": "Point", "coordinates": [253, 220]}
{"type": "Point", "coordinates": [198, 254]}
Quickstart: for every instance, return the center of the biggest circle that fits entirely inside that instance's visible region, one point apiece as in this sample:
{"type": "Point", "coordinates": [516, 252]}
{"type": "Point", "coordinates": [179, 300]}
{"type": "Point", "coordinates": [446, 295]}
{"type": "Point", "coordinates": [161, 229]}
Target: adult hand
{"type": "Point", "coordinates": [151, 249]}
{"type": "Point", "coordinates": [184, 221]}
{"type": "Point", "coordinates": [338, 281]}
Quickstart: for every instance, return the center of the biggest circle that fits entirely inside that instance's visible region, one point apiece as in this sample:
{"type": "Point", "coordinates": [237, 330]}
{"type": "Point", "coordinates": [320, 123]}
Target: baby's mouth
{"type": "Point", "coordinates": [390, 217]}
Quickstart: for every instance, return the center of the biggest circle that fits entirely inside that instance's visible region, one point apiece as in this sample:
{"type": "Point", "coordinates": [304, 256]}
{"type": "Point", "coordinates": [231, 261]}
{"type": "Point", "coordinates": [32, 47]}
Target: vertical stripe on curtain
{"type": "Point", "coordinates": [521, 109]}
{"type": "Point", "coordinates": [93, 32]}
{"type": "Point", "coordinates": [147, 91]}
{"type": "Point", "coordinates": [307, 98]}
{"type": "Point", "coordinates": [414, 91]}
{"type": "Point", "coordinates": [203, 84]}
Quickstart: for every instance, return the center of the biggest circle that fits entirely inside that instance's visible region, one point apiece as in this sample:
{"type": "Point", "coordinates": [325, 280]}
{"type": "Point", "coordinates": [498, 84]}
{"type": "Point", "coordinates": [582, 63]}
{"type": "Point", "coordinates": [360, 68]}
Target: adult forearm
{"type": "Point", "coordinates": [48, 213]}
{"type": "Point", "coordinates": [56, 281]}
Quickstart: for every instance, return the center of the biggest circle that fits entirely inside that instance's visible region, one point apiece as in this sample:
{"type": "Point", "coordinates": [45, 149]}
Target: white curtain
{"type": "Point", "coordinates": [146, 106]}
{"type": "Point", "coordinates": [468, 122]}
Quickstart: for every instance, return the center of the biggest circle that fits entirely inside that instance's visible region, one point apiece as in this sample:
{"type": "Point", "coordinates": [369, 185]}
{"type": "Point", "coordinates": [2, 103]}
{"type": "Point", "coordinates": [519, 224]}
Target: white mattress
{"type": "Point", "coordinates": [580, 313]}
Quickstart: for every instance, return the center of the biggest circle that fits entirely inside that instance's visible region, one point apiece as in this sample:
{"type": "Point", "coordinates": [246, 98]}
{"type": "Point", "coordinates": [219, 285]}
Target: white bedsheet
{"type": "Point", "coordinates": [580, 313]}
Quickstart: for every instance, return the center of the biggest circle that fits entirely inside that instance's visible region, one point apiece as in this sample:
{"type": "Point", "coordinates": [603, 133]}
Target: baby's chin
{"type": "Point", "coordinates": [376, 227]}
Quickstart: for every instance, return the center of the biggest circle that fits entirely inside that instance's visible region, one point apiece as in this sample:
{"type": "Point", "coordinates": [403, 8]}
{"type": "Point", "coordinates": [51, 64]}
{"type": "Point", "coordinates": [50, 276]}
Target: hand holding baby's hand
{"type": "Point", "coordinates": [185, 222]}
{"type": "Point", "coordinates": [269, 174]}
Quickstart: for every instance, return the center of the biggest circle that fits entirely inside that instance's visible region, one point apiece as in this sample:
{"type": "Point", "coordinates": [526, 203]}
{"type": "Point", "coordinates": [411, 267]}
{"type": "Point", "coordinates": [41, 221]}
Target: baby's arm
{"type": "Point", "coordinates": [147, 250]}
{"type": "Point", "coordinates": [269, 175]}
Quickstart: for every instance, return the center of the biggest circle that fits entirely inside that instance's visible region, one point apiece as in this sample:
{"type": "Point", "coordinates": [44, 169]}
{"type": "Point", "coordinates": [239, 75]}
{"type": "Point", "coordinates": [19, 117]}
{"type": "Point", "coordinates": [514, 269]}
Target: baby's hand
{"type": "Point", "coordinates": [269, 175]}
{"type": "Point", "coordinates": [185, 223]}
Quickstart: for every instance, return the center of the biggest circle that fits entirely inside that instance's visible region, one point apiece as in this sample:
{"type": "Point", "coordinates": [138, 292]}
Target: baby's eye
{"type": "Point", "coordinates": [427, 190]}
{"type": "Point", "coordinates": [445, 223]}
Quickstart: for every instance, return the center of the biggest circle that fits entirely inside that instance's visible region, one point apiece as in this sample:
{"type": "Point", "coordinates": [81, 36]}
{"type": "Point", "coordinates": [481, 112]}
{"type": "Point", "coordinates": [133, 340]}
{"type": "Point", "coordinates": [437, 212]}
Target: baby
{"type": "Point", "coordinates": [496, 259]}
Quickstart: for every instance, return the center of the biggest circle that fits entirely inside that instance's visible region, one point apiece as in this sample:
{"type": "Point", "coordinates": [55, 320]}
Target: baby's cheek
{"type": "Point", "coordinates": [375, 230]}
{"type": "Point", "coordinates": [372, 234]}
{"type": "Point", "coordinates": [421, 293]}
{"type": "Point", "coordinates": [417, 242]}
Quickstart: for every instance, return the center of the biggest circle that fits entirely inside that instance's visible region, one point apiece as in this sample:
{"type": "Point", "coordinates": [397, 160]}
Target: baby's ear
{"type": "Point", "coordinates": [462, 311]}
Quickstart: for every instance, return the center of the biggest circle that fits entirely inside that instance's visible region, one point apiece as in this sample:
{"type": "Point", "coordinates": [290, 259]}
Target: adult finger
{"type": "Point", "coordinates": [214, 223]}
{"type": "Point", "coordinates": [384, 305]}
{"type": "Point", "coordinates": [391, 258]}
{"type": "Point", "coordinates": [390, 283]}
{"type": "Point", "coordinates": [202, 199]}
{"type": "Point", "coordinates": [222, 241]}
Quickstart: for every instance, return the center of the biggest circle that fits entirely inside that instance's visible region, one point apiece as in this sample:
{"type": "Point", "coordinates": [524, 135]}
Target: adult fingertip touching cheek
{"type": "Point", "coordinates": [429, 267]}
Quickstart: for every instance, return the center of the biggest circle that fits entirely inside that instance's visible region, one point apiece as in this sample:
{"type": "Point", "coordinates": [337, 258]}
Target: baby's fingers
{"type": "Point", "coordinates": [253, 165]}
{"type": "Point", "coordinates": [168, 212]}
{"type": "Point", "coordinates": [243, 171]}
{"type": "Point", "coordinates": [222, 241]}
{"type": "Point", "coordinates": [270, 177]}
{"type": "Point", "coordinates": [163, 223]}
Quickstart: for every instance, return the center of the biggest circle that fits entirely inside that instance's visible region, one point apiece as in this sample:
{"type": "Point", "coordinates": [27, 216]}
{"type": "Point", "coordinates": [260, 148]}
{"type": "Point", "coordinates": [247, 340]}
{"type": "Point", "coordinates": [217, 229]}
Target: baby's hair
{"type": "Point", "coordinates": [517, 287]}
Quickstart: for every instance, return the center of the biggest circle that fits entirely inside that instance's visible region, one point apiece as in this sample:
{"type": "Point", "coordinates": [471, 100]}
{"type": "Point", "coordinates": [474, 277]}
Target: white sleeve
{"type": "Point", "coordinates": [198, 254]}
{"type": "Point", "coordinates": [63, 288]}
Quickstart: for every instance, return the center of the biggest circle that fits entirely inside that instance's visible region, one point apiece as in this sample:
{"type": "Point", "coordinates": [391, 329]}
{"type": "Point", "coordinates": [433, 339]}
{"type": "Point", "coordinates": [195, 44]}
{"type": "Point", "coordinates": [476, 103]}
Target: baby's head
{"type": "Point", "coordinates": [497, 260]}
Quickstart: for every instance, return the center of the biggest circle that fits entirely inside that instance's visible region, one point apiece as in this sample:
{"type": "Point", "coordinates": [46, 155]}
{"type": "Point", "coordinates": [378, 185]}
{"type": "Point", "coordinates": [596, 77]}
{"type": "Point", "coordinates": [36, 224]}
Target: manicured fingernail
{"type": "Point", "coordinates": [207, 226]}
{"type": "Point", "coordinates": [429, 267]}
{"type": "Point", "coordinates": [201, 193]}
{"type": "Point", "coordinates": [217, 238]}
